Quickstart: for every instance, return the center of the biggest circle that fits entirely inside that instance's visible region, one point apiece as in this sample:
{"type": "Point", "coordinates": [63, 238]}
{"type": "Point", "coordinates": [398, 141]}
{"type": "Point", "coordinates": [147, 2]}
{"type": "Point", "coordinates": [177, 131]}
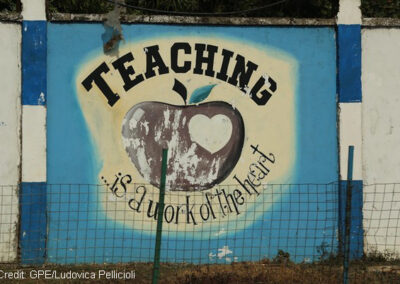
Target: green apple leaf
{"type": "Point", "coordinates": [201, 94]}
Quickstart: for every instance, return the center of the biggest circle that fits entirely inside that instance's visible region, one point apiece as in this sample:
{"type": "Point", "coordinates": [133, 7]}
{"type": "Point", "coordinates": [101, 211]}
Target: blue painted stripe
{"type": "Point", "coordinates": [356, 226]}
{"type": "Point", "coordinates": [33, 230]}
{"type": "Point", "coordinates": [349, 63]}
{"type": "Point", "coordinates": [34, 55]}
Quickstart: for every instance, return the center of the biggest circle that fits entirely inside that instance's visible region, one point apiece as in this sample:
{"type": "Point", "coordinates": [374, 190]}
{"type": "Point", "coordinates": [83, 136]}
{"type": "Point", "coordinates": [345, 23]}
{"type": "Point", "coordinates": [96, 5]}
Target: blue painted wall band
{"type": "Point", "coordinates": [34, 56]}
{"type": "Point", "coordinates": [349, 63]}
{"type": "Point", "coordinates": [349, 89]}
{"type": "Point", "coordinates": [33, 223]}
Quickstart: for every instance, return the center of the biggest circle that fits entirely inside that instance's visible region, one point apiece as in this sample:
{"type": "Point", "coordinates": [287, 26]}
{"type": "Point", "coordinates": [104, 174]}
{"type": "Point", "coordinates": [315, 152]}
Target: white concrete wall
{"type": "Point", "coordinates": [10, 110]}
{"type": "Point", "coordinates": [380, 132]}
{"type": "Point", "coordinates": [381, 137]}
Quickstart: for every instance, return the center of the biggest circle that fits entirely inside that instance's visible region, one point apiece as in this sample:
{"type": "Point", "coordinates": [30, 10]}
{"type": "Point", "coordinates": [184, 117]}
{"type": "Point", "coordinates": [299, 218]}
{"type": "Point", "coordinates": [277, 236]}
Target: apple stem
{"type": "Point", "coordinates": [180, 89]}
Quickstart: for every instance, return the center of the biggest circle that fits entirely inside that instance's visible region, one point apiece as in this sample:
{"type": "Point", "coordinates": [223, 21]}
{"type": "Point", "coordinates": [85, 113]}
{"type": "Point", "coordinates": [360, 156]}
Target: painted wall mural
{"type": "Point", "coordinates": [213, 135]}
{"type": "Point", "coordinates": [239, 109]}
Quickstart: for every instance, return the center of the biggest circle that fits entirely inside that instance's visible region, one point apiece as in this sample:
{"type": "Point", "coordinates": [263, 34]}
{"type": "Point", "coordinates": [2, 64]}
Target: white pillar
{"type": "Point", "coordinates": [33, 226]}
{"type": "Point", "coordinates": [350, 114]}
{"type": "Point", "coordinates": [349, 12]}
{"type": "Point", "coordinates": [350, 127]}
{"type": "Point", "coordinates": [33, 10]}
{"type": "Point", "coordinates": [33, 93]}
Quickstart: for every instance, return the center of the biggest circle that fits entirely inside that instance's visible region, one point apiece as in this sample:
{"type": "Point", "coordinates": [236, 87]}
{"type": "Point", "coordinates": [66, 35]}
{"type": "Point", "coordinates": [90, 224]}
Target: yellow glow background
{"type": "Point", "coordinates": [271, 126]}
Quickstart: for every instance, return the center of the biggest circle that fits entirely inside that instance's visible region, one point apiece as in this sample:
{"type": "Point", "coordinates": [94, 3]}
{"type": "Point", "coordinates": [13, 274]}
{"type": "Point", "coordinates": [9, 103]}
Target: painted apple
{"type": "Point", "coordinates": [204, 141]}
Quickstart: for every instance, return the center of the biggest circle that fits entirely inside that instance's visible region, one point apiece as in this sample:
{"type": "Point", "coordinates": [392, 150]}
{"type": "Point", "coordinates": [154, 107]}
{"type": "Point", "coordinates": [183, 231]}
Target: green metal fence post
{"type": "Point", "coordinates": [160, 215]}
{"type": "Point", "coordinates": [346, 258]}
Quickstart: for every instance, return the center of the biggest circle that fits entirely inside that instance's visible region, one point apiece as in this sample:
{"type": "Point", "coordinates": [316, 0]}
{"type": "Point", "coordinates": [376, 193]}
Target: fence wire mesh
{"type": "Point", "coordinates": [9, 208]}
{"type": "Point", "coordinates": [381, 215]}
{"type": "Point", "coordinates": [295, 228]}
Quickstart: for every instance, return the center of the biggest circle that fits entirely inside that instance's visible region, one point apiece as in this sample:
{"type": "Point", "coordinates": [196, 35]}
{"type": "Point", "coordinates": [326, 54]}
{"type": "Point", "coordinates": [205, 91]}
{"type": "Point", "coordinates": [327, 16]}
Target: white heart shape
{"type": "Point", "coordinates": [210, 133]}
